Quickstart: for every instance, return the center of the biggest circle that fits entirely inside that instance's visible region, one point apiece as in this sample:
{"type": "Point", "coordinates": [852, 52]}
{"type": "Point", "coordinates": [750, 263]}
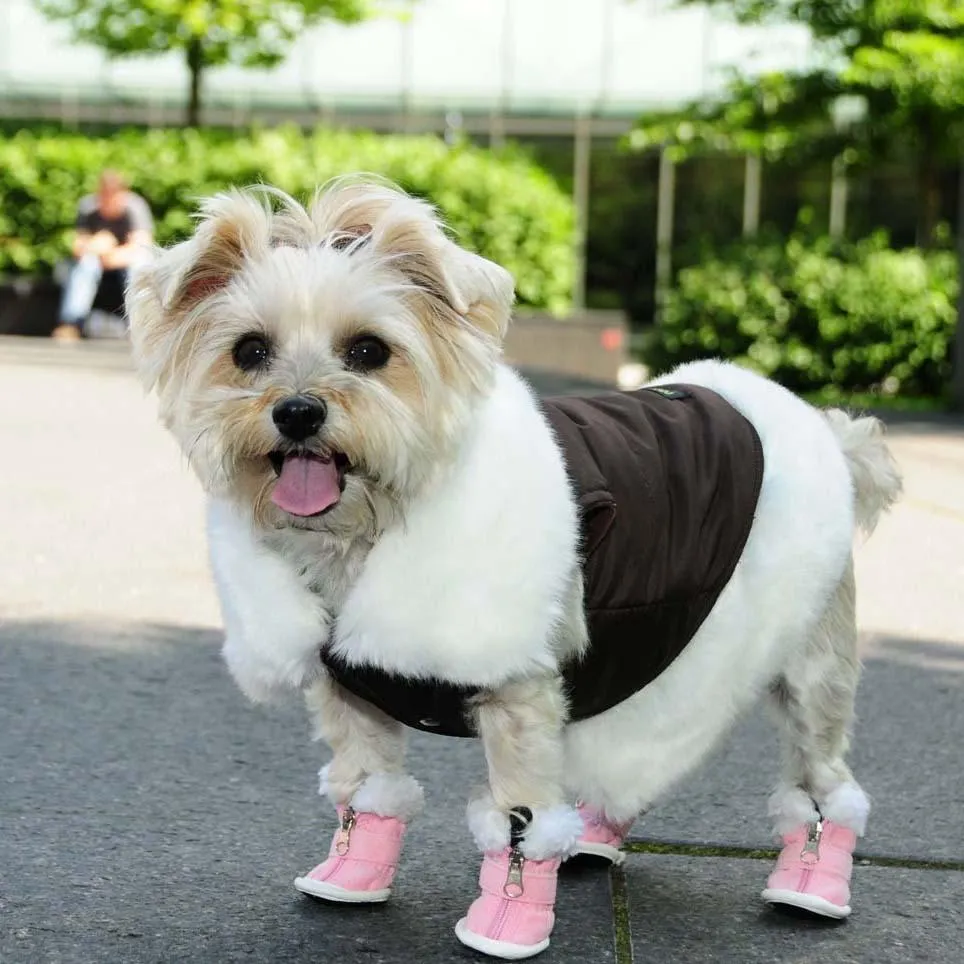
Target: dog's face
{"type": "Point", "coordinates": [317, 363]}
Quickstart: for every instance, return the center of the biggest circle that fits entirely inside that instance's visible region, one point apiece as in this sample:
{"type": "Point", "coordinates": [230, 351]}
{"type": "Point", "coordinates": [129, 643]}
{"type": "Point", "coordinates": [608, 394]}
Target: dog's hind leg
{"type": "Point", "coordinates": [372, 794]}
{"type": "Point", "coordinates": [819, 808]}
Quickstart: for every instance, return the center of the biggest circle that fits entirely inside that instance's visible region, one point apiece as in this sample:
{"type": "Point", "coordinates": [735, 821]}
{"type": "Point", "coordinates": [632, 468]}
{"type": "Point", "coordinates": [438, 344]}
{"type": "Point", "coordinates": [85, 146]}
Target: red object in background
{"type": "Point", "coordinates": [611, 338]}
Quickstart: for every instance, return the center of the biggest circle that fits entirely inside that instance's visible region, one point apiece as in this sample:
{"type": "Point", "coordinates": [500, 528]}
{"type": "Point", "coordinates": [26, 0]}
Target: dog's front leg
{"type": "Point", "coordinates": [522, 823]}
{"type": "Point", "coordinates": [372, 794]}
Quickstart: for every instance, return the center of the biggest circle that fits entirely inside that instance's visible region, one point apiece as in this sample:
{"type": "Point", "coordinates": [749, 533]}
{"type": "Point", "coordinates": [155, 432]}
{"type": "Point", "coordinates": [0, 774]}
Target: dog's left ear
{"type": "Point", "coordinates": [373, 216]}
{"type": "Point", "coordinates": [479, 290]}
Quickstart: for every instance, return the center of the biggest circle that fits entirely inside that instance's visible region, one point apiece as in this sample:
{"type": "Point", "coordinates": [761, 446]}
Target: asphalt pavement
{"type": "Point", "coordinates": [149, 814]}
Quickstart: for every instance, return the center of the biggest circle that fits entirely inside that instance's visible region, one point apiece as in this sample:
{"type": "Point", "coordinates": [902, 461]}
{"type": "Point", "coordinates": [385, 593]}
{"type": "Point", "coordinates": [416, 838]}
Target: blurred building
{"type": "Point", "coordinates": [494, 67]}
{"type": "Point", "coordinates": [568, 77]}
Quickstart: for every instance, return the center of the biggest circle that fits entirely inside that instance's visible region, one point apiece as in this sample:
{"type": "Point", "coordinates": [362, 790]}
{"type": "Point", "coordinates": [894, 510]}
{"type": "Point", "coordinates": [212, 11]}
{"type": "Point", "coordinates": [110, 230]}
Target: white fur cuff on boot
{"type": "Point", "coordinates": [385, 794]}
{"type": "Point", "coordinates": [553, 831]}
{"type": "Point", "coordinates": [846, 806]}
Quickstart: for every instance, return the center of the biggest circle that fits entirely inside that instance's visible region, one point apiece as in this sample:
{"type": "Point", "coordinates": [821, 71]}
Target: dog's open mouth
{"type": "Point", "coordinates": [308, 484]}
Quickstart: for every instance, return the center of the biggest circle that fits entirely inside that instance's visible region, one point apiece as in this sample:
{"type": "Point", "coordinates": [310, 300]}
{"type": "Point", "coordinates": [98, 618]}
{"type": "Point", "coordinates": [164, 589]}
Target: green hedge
{"type": "Point", "coordinates": [859, 317]}
{"type": "Point", "coordinates": [501, 205]}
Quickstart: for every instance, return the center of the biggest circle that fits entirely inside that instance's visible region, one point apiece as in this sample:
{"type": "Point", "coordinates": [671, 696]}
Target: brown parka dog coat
{"type": "Point", "coordinates": [667, 480]}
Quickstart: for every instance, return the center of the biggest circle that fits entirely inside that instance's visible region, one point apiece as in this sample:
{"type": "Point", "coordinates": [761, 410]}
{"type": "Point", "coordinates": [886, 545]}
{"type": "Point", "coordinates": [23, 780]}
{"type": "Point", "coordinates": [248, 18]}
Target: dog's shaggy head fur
{"type": "Point", "coordinates": [359, 301]}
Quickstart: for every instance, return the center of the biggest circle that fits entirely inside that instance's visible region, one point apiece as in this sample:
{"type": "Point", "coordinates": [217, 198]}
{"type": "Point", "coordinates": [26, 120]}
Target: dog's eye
{"type": "Point", "coordinates": [251, 352]}
{"type": "Point", "coordinates": [367, 353]}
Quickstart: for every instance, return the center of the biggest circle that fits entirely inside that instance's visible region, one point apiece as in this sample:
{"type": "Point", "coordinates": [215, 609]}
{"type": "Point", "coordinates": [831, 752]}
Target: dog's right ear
{"type": "Point", "coordinates": [233, 226]}
{"type": "Point", "coordinates": [218, 255]}
{"type": "Point", "coordinates": [164, 294]}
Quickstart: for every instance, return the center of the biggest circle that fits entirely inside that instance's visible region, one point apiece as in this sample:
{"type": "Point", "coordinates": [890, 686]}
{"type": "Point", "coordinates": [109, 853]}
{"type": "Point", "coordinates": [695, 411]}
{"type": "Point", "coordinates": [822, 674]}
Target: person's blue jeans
{"type": "Point", "coordinates": [80, 289]}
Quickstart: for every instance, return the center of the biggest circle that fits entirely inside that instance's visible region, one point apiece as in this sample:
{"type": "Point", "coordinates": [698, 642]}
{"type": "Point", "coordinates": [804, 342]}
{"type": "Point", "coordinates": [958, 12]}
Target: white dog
{"type": "Point", "coordinates": [596, 588]}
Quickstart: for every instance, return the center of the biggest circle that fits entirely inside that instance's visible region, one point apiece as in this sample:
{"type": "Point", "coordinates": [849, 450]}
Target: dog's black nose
{"type": "Point", "coordinates": [299, 416]}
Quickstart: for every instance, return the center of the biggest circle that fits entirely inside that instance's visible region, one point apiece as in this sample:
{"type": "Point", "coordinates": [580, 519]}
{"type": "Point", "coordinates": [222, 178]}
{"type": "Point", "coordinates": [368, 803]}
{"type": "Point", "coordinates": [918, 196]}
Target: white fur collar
{"type": "Point", "coordinates": [274, 627]}
{"type": "Point", "coordinates": [471, 585]}
{"type": "Point", "coordinates": [468, 586]}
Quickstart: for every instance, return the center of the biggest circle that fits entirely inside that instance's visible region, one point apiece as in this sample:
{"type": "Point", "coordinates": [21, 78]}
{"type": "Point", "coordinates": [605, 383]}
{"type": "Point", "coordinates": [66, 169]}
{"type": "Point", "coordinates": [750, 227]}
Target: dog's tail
{"type": "Point", "coordinates": [877, 480]}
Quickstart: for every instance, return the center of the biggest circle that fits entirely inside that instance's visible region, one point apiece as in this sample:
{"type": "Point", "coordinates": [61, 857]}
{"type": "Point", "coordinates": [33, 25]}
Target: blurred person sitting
{"type": "Point", "coordinates": [114, 231]}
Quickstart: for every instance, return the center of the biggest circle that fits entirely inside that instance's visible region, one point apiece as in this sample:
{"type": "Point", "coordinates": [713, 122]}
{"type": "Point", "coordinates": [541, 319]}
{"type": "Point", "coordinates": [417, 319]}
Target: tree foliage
{"type": "Point", "coordinates": [500, 204]}
{"type": "Point", "coordinates": [211, 33]}
{"type": "Point", "coordinates": [902, 60]}
{"type": "Point", "coordinates": [817, 316]}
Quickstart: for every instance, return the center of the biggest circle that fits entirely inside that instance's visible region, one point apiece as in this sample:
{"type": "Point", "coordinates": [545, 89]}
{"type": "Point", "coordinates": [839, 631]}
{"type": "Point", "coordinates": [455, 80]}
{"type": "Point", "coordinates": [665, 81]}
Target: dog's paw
{"type": "Point", "coordinates": [263, 679]}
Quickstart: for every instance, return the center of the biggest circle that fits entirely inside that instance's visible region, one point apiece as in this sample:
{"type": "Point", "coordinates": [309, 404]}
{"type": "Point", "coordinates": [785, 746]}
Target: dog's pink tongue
{"type": "Point", "coordinates": [307, 485]}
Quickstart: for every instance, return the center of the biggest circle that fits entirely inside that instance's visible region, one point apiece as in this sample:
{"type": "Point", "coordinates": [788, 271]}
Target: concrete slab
{"type": "Point", "coordinates": [707, 911]}
{"type": "Point", "coordinates": [906, 754]}
{"type": "Point", "coordinates": [149, 814]}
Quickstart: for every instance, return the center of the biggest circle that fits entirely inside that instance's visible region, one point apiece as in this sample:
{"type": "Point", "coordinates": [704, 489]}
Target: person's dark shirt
{"type": "Point", "coordinates": [135, 217]}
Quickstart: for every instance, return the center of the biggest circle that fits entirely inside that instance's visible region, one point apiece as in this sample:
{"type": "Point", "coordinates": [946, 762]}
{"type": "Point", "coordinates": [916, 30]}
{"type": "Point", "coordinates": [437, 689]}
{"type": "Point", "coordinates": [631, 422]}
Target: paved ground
{"type": "Point", "coordinates": [147, 814]}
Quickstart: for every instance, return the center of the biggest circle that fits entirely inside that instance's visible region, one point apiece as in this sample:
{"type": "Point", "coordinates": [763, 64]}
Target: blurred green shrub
{"type": "Point", "coordinates": [501, 205]}
{"type": "Point", "coordinates": [813, 314]}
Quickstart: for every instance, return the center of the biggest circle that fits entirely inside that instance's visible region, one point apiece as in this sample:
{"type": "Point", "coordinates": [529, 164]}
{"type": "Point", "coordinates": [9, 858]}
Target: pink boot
{"type": "Point", "coordinates": [361, 864]}
{"type": "Point", "coordinates": [813, 870]}
{"type": "Point", "coordinates": [513, 916]}
{"type": "Point", "coordinates": [601, 837]}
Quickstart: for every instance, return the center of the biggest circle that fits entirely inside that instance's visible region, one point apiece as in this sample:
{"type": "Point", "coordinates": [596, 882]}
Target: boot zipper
{"type": "Point", "coordinates": [810, 854]}
{"type": "Point", "coordinates": [512, 888]}
{"type": "Point", "coordinates": [343, 837]}
{"type": "Point", "coordinates": [513, 879]}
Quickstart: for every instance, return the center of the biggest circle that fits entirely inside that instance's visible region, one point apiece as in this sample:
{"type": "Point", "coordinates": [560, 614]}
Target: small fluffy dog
{"type": "Point", "coordinates": [597, 588]}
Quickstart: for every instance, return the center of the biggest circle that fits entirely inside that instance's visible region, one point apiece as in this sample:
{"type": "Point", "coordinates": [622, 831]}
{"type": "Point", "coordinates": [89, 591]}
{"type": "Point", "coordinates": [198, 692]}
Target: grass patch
{"type": "Point", "coordinates": [697, 850]}
{"type": "Point", "coordinates": [749, 853]}
{"type": "Point", "coordinates": [622, 932]}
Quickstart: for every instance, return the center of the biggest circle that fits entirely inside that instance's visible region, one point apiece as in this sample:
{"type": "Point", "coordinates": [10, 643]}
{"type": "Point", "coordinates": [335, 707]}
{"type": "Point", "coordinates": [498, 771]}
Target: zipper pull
{"type": "Point", "coordinates": [513, 880]}
{"type": "Point", "coordinates": [811, 849]}
{"type": "Point", "coordinates": [343, 837]}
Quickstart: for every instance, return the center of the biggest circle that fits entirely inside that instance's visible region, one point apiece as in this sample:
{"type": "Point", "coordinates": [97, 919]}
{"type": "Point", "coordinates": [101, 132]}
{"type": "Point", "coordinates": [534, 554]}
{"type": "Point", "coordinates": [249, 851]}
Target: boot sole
{"type": "Point", "coordinates": [599, 851]}
{"type": "Point", "coordinates": [504, 949]}
{"type": "Point", "coordinates": [339, 895]}
{"type": "Point", "coordinates": [808, 902]}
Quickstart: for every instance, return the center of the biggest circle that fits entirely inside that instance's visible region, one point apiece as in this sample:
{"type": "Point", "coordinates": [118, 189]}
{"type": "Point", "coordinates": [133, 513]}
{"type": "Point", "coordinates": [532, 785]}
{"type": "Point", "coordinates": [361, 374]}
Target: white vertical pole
{"type": "Point", "coordinates": [664, 227]}
{"type": "Point", "coordinates": [706, 51]}
{"type": "Point", "coordinates": [607, 51]}
{"type": "Point", "coordinates": [497, 118]}
{"type": "Point", "coordinates": [752, 189]}
{"type": "Point", "coordinates": [407, 65]}
{"type": "Point", "coordinates": [839, 189]}
{"type": "Point", "coordinates": [496, 129]}
{"type": "Point", "coordinates": [957, 371]}
{"type": "Point", "coordinates": [6, 45]}
{"type": "Point", "coordinates": [582, 148]}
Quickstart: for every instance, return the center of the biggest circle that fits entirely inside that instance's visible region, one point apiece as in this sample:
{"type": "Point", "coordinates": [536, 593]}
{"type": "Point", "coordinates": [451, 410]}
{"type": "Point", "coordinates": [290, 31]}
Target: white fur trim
{"type": "Point", "coordinates": [790, 807]}
{"type": "Point", "coordinates": [390, 795]}
{"type": "Point", "coordinates": [324, 788]}
{"type": "Point", "coordinates": [274, 627]}
{"type": "Point", "coordinates": [849, 806]}
{"type": "Point", "coordinates": [554, 832]}
{"type": "Point", "coordinates": [506, 563]}
{"type": "Point", "coordinates": [489, 825]}
{"type": "Point", "coordinates": [386, 794]}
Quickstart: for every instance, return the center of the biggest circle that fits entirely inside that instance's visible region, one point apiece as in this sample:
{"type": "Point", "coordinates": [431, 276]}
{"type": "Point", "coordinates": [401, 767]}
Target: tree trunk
{"type": "Point", "coordinates": [929, 196]}
{"type": "Point", "coordinates": [195, 66]}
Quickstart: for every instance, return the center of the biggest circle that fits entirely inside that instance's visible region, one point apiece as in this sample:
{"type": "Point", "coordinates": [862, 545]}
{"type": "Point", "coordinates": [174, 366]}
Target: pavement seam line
{"type": "Point", "coordinates": [766, 853]}
{"type": "Point", "coordinates": [622, 930]}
